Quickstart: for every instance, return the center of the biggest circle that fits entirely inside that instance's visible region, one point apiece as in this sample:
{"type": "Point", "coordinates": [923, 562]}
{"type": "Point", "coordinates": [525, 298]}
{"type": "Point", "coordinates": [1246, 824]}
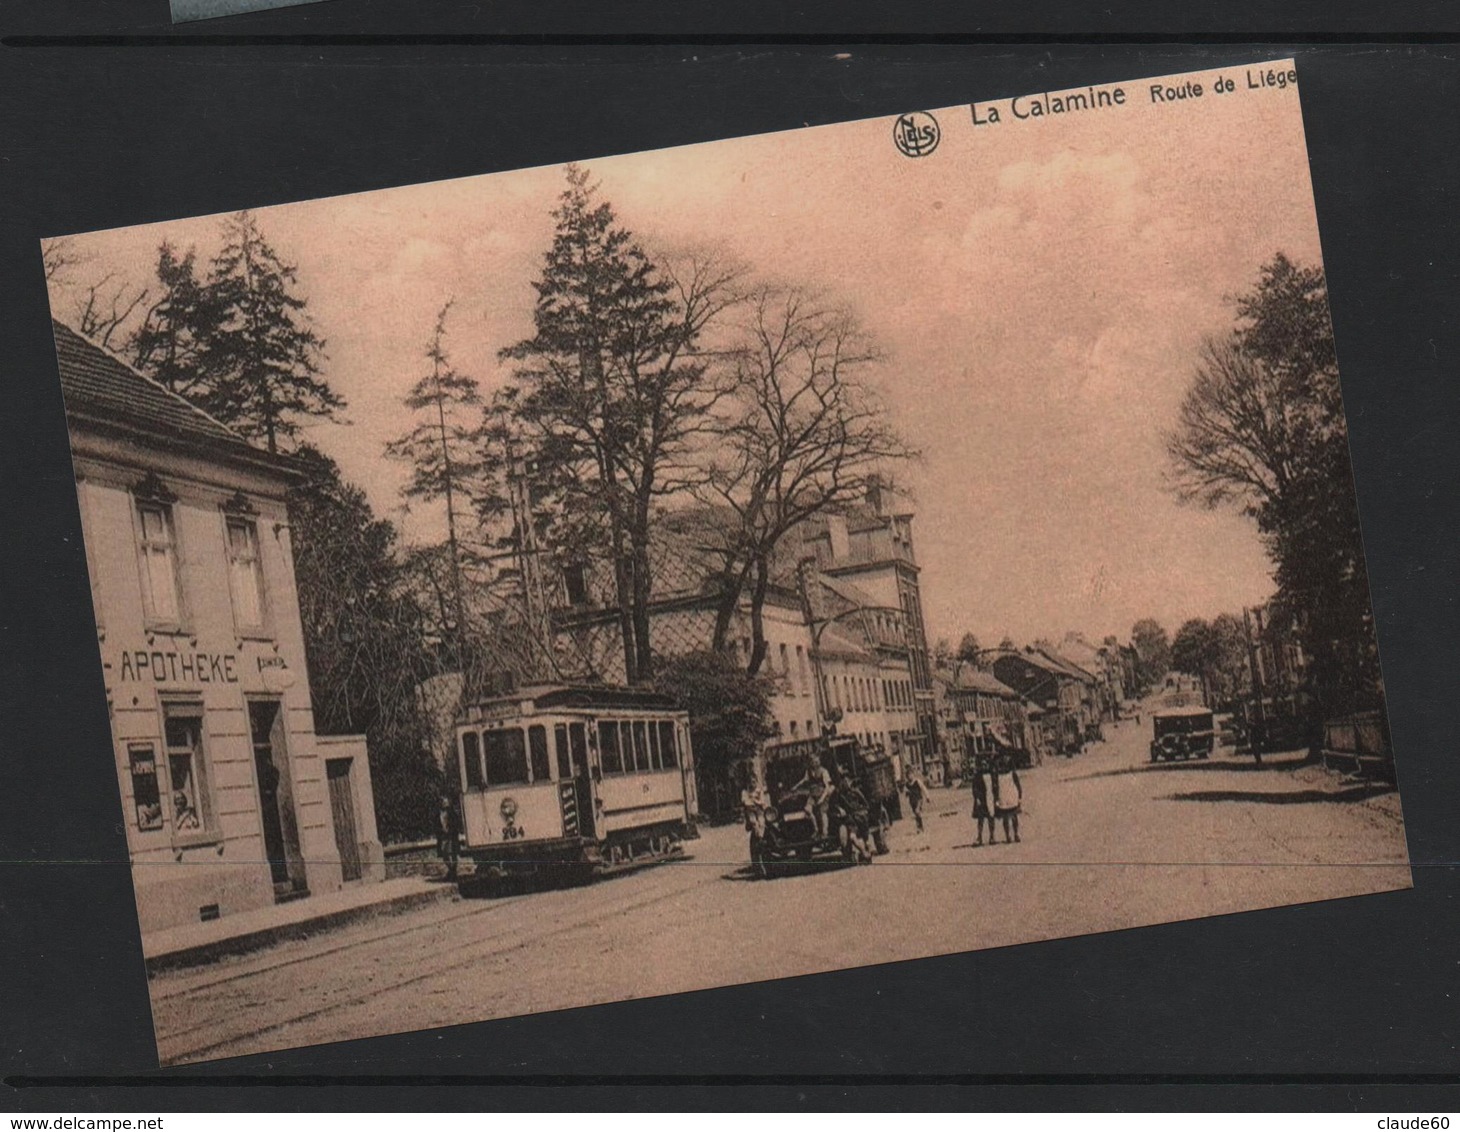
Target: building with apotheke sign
{"type": "Point", "coordinates": [231, 801]}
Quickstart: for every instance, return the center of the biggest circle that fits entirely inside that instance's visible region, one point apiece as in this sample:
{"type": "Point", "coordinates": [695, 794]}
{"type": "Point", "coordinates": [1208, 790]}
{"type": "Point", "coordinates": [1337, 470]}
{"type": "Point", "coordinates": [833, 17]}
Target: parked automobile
{"type": "Point", "coordinates": [1182, 733]}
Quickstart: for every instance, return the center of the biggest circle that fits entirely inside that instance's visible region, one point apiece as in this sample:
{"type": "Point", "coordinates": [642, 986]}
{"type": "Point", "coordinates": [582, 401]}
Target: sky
{"type": "Point", "coordinates": [1040, 288]}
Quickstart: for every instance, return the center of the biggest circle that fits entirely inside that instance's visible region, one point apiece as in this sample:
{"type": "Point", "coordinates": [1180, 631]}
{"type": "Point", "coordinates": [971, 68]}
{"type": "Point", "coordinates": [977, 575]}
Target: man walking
{"type": "Point", "coordinates": [915, 798]}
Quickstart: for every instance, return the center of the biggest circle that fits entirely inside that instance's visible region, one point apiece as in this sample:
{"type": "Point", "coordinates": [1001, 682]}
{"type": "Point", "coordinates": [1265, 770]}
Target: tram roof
{"type": "Point", "coordinates": [600, 696]}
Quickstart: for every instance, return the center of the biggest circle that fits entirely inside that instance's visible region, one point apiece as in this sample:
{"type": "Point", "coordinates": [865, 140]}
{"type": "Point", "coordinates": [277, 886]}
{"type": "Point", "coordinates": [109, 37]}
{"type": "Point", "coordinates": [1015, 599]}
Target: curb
{"type": "Point", "coordinates": [199, 954]}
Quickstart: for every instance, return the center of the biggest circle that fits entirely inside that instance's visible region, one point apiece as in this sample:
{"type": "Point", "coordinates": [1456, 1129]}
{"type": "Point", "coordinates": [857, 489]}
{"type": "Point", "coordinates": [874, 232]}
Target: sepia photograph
{"type": "Point", "coordinates": [747, 560]}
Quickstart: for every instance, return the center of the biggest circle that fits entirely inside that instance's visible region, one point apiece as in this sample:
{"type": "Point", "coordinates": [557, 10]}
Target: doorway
{"type": "Point", "coordinates": [276, 799]}
{"type": "Point", "coordinates": [342, 810]}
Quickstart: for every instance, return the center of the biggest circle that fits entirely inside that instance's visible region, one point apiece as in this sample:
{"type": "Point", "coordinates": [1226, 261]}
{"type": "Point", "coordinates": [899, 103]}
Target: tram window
{"type": "Point", "coordinates": [626, 746]}
{"type": "Point", "coordinates": [506, 756]}
{"type": "Point", "coordinates": [471, 755]}
{"type": "Point", "coordinates": [560, 745]}
{"type": "Point", "coordinates": [537, 746]}
{"type": "Point", "coordinates": [666, 744]}
{"type": "Point", "coordinates": [641, 747]}
{"type": "Point", "coordinates": [655, 760]}
{"type": "Point", "coordinates": [579, 740]}
{"type": "Point", "coordinates": [608, 752]}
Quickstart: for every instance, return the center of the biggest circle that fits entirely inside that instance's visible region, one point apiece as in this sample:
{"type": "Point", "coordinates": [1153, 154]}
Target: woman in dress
{"type": "Point", "coordinates": [1008, 794]}
{"type": "Point", "coordinates": [983, 789]}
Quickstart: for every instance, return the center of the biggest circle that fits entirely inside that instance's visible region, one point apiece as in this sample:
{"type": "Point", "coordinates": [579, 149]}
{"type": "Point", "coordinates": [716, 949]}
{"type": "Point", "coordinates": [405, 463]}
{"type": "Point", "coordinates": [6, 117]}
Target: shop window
{"type": "Point", "coordinates": [245, 574]}
{"type": "Point", "coordinates": [471, 760]}
{"type": "Point", "coordinates": [157, 552]}
{"type": "Point", "coordinates": [538, 747]}
{"type": "Point", "coordinates": [608, 749]}
{"type": "Point", "coordinates": [187, 770]}
{"type": "Point", "coordinates": [146, 795]}
{"type": "Point", "coordinates": [667, 749]}
{"type": "Point", "coordinates": [504, 752]}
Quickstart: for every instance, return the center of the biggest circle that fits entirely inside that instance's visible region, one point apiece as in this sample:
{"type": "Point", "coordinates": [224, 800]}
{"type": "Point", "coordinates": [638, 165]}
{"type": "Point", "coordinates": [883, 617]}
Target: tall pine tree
{"type": "Point", "coordinates": [172, 344]}
{"type": "Point", "coordinates": [611, 390]}
{"type": "Point", "coordinates": [443, 449]}
{"type": "Point", "coordinates": [264, 358]}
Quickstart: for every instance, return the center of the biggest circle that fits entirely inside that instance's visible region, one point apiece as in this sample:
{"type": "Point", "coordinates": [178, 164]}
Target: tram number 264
{"type": "Point", "coordinates": [512, 833]}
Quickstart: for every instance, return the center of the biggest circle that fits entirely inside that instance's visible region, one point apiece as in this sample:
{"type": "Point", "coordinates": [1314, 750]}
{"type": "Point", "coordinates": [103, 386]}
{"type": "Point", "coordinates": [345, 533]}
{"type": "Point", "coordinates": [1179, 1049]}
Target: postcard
{"type": "Point", "coordinates": [746, 560]}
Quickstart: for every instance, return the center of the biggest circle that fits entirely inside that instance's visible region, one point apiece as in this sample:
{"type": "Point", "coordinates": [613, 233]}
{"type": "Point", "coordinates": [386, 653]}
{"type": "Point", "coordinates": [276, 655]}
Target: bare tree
{"type": "Point", "coordinates": [804, 436]}
{"type": "Point", "coordinates": [59, 255]}
{"type": "Point", "coordinates": [1234, 442]}
{"type": "Point", "coordinates": [106, 307]}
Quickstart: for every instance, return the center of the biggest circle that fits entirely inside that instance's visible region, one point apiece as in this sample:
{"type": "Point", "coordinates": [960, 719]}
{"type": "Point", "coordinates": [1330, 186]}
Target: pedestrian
{"type": "Point", "coordinates": [753, 803]}
{"type": "Point", "coordinates": [448, 835]}
{"type": "Point", "coordinates": [1008, 796]}
{"type": "Point", "coordinates": [819, 787]}
{"type": "Point", "coordinates": [915, 797]}
{"type": "Point", "coordinates": [983, 788]}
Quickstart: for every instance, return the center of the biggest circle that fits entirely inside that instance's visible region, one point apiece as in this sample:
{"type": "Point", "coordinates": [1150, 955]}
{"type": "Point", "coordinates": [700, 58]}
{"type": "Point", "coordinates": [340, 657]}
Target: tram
{"type": "Point", "coordinates": [574, 780]}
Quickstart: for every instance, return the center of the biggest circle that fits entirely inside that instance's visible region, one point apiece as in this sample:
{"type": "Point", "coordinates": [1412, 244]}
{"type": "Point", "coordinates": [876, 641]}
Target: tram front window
{"type": "Point", "coordinates": [472, 760]}
{"type": "Point", "coordinates": [505, 753]}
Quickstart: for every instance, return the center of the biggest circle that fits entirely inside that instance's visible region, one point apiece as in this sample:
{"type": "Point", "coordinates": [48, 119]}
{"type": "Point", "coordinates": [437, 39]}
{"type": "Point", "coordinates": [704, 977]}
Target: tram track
{"type": "Point", "coordinates": [176, 1047]}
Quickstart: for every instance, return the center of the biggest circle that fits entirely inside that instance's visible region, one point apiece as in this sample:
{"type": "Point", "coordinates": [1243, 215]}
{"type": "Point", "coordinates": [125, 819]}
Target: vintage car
{"type": "Point", "coordinates": [1182, 733]}
{"type": "Point", "coordinates": [786, 828]}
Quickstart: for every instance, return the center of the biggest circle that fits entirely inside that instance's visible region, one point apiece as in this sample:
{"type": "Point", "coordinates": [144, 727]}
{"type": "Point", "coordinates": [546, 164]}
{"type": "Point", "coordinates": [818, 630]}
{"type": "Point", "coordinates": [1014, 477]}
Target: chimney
{"type": "Point", "coordinates": [841, 543]}
{"type": "Point", "coordinates": [875, 489]}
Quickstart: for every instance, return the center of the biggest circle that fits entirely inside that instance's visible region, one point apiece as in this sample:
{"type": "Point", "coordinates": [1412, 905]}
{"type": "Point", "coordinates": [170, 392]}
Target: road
{"type": "Point", "coordinates": [1109, 842]}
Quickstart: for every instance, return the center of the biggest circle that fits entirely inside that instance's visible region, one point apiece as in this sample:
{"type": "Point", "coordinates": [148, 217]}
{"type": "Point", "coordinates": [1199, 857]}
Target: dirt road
{"type": "Point", "coordinates": [1109, 841]}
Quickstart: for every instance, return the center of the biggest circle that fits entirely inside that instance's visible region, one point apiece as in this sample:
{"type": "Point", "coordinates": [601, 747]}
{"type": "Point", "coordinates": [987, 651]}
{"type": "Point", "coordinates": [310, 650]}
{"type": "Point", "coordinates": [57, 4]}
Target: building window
{"type": "Point", "coordinates": [146, 797]}
{"type": "Point", "coordinates": [575, 583]}
{"type": "Point", "coordinates": [785, 664]}
{"type": "Point", "coordinates": [801, 682]}
{"type": "Point", "coordinates": [187, 770]}
{"type": "Point", "coordinates": [245, 574]}
{"type": "Point", "coordinates": [157, 551]}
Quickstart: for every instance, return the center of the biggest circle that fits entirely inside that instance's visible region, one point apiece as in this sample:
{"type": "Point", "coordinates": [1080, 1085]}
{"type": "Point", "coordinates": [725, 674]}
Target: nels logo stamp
{"type": "Point", "coordinates": [916, 134]}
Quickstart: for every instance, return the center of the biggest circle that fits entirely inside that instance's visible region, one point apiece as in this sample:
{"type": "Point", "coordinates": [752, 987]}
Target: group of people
{"type": "Point", "coordinates": [997, 794]}
{"type": "Point", "coordinates": [998, 797]}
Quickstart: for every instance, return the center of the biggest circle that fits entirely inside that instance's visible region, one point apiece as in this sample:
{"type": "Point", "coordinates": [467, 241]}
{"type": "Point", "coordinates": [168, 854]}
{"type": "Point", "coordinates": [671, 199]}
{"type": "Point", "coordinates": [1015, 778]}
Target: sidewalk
{"type": "Point", "coordinates": [193, 944]}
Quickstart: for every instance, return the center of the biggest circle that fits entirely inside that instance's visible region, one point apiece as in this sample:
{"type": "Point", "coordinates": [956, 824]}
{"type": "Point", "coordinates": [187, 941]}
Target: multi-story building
{"type": "Point", "coordinates": [231, 800]}
{"type": "Point", "coordinates": [1066, 694]}
{"type": "Point", "coordinates": [871, 547]}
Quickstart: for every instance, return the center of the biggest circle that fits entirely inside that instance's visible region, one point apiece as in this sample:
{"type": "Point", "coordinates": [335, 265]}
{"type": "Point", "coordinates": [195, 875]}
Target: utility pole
{"type": "Point", "coordinates": [1259, 731]}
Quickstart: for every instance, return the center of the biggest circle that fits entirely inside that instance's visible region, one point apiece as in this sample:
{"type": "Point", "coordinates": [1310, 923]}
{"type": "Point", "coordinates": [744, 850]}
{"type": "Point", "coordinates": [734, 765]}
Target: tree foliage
{"type": "Point", "coordinates": [1153, 651]}
{"type": "Point", "coordinates": [363, 637]}
{"type": "Point", "coordinates": [1262, 429]}
{"type": "Point", "coordinates": [730, 717]}
{"type": "Point", "coordinates": [263, 357]}
{"type": "Point", "coordinates": [178, 330]}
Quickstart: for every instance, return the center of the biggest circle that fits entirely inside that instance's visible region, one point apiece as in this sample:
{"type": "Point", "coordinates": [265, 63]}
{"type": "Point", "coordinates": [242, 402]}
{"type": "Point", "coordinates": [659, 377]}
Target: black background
{"type": "Point", "coordinates": [1351, 1003]}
